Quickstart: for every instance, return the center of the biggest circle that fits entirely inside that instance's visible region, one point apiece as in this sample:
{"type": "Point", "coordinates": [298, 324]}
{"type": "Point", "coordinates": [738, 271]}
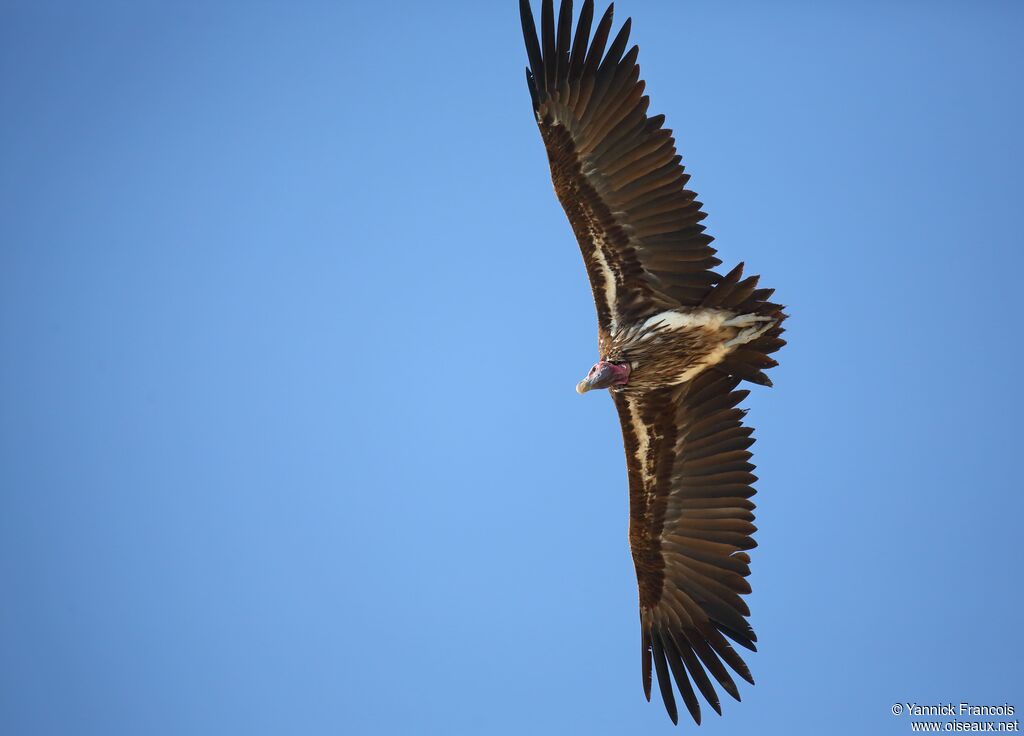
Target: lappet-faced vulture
{"type": "Point", "coordinates": [675, 339]}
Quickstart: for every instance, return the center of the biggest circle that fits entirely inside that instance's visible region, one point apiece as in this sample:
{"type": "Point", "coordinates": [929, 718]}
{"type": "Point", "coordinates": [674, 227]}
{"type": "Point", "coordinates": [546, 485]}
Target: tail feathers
{"type": "Point", "coordinates": [741, 295]}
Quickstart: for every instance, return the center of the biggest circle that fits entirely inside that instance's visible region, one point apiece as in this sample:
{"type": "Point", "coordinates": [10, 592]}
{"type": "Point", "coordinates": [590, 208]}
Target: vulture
{"type": "Point", "coordinates": [675, 339]}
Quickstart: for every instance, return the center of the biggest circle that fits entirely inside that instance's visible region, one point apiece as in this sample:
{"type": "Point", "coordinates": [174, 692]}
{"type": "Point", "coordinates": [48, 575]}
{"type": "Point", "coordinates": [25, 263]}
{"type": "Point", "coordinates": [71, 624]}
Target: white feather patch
{"type": "Point", "coordinates": [715, 356]}
{"type": "Point", "coordinates": [609, 286]}
{"type": "Point", "coordinates": [674, 319]}
{"type": "Point", "coordinates": [643, 443]}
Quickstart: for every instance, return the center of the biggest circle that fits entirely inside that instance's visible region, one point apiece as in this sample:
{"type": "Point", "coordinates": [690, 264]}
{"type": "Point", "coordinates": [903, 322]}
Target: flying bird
{"type": "Point", "coordinates": [675, 340]}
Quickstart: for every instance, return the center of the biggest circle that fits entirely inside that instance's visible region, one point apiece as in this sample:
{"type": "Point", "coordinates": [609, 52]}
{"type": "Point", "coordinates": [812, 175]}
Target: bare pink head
{"type": "Point", "coordinates": [604, 374]}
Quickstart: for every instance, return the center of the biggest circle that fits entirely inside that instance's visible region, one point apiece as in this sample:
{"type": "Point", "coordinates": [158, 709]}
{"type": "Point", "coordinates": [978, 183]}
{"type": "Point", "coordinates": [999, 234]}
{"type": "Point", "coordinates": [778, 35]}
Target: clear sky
{"type": "Point", "coordinates": [290, 321]}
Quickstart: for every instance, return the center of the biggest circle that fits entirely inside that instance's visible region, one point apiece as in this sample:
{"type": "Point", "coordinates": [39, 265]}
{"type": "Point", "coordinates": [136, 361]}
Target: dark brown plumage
{"type": "Point", "coordinates": [676, 339]}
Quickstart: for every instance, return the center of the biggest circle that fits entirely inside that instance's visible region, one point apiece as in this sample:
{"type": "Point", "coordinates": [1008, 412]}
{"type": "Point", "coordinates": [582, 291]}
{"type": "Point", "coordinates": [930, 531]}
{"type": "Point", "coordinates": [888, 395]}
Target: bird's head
{"type": "Point", "coordinates": [604, 374]}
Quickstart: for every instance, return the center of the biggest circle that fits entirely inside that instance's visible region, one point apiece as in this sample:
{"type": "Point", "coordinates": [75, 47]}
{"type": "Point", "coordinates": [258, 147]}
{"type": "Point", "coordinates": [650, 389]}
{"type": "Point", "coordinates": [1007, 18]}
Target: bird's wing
{"type": "Point", "coordinates": [615, 169]}
{"type": "Point", "coordinates": [691, 520]}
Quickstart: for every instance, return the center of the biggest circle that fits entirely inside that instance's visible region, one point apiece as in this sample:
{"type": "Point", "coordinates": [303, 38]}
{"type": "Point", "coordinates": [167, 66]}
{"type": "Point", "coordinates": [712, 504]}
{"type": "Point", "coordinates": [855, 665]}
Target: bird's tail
{"type": "Point", "coordinates": [741, 295]}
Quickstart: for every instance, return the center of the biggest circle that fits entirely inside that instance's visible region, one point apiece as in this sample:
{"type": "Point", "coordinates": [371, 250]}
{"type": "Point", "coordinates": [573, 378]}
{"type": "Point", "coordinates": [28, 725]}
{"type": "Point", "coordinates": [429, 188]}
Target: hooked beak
{"type": "Point", "coordinates": [601, 376]}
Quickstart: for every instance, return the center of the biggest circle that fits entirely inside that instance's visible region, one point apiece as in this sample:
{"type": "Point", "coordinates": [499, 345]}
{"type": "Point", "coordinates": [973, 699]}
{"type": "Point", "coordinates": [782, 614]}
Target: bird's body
{"type": "Point", "coordinates": [672, 347]}
{"type": "Point", "coordinates": [675, 340]}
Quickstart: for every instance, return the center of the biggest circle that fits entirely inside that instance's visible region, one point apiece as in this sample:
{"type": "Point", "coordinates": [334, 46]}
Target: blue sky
{"type": "Point", "coordinates": [290, 322]}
